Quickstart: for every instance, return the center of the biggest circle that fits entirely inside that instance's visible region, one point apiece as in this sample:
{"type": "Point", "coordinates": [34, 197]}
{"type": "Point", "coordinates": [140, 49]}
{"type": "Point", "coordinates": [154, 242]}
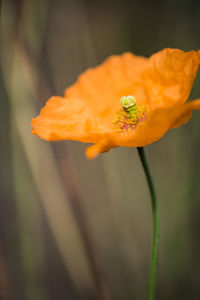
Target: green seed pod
{"type": "Point", "coordinates": [129, 105]}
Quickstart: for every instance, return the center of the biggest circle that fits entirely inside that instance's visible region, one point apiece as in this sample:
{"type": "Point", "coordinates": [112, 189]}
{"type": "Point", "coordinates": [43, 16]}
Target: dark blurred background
{"type": "Point", "coordinates": [71, 228]}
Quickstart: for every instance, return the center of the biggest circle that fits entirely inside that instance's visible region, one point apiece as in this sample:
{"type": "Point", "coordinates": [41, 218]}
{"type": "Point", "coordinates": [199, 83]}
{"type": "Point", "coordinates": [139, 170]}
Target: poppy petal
{"type": "Point", "coordinates": [185, 113]}
{"type": "Point", "coordinates": [170, 76]}
{"type": "Point", "coordinates": [100, 147]}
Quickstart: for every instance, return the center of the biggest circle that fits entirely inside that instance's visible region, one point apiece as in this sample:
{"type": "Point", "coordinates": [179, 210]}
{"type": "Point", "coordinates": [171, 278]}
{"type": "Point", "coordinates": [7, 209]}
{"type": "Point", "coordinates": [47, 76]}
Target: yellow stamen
{"type": "Point", "coordinates": [123, 122]}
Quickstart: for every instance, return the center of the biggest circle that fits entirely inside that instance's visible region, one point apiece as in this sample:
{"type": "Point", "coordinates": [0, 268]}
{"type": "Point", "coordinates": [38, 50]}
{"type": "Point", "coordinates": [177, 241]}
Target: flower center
{"type": "Point", "coordinates": [130, 115]}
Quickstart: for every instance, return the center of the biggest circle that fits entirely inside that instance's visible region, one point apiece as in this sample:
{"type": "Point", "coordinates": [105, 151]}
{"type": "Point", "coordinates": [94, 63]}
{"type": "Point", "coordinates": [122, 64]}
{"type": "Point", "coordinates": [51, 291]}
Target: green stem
{"type": "Point", "coordinates": [155, 239]}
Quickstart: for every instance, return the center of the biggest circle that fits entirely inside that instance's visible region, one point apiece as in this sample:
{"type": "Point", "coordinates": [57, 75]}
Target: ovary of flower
{"type": "Point", "coordinates": [129, 105]}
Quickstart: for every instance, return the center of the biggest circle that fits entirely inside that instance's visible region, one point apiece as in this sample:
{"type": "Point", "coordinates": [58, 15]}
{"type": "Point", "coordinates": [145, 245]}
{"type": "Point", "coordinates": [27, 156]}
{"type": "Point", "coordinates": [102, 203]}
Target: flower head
{"type": "Point", "coordinates": [128, 100]}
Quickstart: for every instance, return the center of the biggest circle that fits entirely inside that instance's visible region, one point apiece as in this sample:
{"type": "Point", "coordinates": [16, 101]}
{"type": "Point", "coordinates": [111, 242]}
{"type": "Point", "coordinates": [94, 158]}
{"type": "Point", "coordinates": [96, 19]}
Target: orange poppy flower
{"type": "Point", "coordinates": [91, 112]}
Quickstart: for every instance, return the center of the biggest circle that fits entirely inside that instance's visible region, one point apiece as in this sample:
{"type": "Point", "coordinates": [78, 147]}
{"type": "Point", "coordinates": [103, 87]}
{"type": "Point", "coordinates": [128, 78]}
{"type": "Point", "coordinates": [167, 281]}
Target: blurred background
{"type": "Point", "coordinates": [71, 228]}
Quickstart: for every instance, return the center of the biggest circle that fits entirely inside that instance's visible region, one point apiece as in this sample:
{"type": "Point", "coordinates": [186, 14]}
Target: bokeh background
{"type": "Point", "coordinates": [70, 227]}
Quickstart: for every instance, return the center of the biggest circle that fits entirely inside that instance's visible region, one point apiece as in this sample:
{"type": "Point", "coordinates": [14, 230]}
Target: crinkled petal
{"type": "Point", "coordinates": [62, 118]}
{"type": "Point", "coordinates": [101, 146]}
{"type": "Point", "coordinates": [185, 113]}
{"type": "Point", "coordinates": [170, 76]}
